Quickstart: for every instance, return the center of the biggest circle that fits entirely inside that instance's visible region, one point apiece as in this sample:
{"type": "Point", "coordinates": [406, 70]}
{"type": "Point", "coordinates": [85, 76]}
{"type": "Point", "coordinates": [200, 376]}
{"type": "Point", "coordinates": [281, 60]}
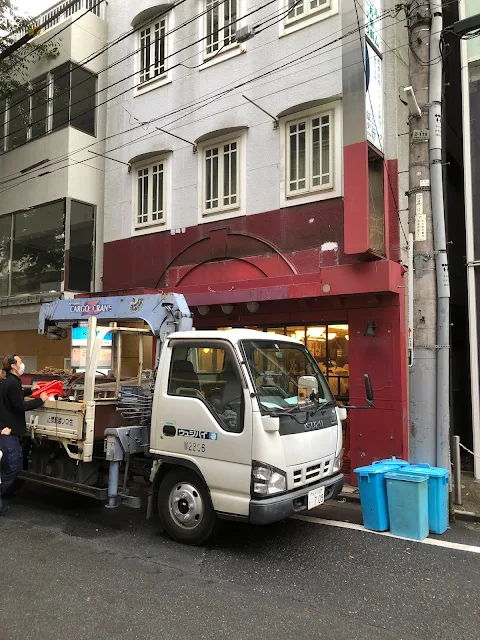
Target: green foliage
{"type": "Point", "coordinates": [14, 69]}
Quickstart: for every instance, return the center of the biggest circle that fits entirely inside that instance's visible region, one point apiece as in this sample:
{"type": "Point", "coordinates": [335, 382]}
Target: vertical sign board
{"type": "Point", "coordinates": [373, 22]}
{"type": "Point", "coordinates": [374, 99]}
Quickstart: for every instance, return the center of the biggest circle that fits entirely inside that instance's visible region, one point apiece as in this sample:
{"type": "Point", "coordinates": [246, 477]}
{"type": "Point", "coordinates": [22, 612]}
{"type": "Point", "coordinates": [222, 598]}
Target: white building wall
{"type": "Point", "coordinates": [65, 146]}
{"type": "Point", "coordinates": [317, 77]}
{"type": "Point", "coordinates": [72, 170]}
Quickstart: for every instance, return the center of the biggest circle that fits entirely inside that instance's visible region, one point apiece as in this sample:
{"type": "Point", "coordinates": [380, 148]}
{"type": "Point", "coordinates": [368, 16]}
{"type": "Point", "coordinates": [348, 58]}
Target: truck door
{"type": "Point", "coordinates": [203, 413]}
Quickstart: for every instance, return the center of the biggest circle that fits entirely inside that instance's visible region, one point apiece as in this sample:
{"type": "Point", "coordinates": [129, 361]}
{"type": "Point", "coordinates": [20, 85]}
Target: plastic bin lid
{"type": "Point", "coordinates": [392, 461]}
{"type": "Point", "coordinates": [374, 468]}
{"type": "Point", "coordinates": [427, 470]}
{"type": "Point", "coordinates": [404, 475]}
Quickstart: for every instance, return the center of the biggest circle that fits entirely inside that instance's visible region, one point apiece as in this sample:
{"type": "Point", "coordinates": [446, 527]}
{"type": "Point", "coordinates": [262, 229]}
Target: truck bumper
{"type": "Point", "coordinates": [281, 507]}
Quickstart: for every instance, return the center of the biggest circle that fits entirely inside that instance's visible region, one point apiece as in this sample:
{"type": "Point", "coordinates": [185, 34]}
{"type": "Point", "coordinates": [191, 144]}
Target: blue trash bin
{"type": "Point", "coordinates": [407, 504]}
{"type": "Point", "coordinates": [437, 495]}
{"type": "Point", "coordinates": [373, 495]}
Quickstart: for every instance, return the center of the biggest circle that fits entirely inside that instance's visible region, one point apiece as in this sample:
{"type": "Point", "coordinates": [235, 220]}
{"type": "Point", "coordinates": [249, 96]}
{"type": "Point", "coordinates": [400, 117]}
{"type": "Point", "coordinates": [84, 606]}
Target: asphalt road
{"type": "Point", "coordinates": [71, 569]}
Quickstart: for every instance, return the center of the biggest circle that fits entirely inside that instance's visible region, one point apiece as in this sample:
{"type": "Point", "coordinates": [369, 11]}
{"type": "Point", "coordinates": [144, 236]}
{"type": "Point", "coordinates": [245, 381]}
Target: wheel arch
{"type": "Point", "coordinates": [169, 463]}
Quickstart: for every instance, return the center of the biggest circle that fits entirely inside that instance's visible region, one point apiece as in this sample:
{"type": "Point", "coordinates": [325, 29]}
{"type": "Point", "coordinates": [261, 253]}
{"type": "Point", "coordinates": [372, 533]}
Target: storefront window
{"type": "Point", "coordinates": [329, 346]}
{"type": "Point", "coordinates": [296, 332]}
{"type": "Point", "coordinates": [338, 367]}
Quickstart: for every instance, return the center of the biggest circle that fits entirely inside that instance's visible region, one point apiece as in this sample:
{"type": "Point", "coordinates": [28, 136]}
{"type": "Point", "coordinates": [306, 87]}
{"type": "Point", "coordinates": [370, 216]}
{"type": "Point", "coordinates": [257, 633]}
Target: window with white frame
{"type": "Point", "coordinates": [309, 154]}
{"type": "Point", "coordinates": [220, 25]}
{"type": "Point", "coordinates": [152, 51]}
{"type": "Point", "coordinates": [150, 191]}
{"type": "Point", "coordinates": [304, 8]}
{"type": "Point", "coordinates": [221, 176]}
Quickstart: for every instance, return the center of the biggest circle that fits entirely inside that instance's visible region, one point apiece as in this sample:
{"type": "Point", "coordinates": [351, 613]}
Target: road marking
{"type": "Point", "coordinates": [457, 546]}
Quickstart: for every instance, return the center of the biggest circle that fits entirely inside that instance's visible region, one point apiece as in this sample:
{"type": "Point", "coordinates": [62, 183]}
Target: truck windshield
{"type": "Point", "coordinates": [276, 369]}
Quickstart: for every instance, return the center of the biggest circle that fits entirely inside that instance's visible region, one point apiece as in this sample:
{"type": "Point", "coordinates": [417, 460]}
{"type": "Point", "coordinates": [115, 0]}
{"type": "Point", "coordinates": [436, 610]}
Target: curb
{"type": "Point", "coordinates": [350, 497]}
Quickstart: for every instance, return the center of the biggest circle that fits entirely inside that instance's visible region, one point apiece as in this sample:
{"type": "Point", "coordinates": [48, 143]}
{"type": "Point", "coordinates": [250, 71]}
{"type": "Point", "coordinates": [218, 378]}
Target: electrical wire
{"type": "Point", "coordinates": [197, 105]}
{"type": "Point", "coordinates": [258, 8]}
{"type": "Point", "coordinates": [215, 96]}
{"type": "Point", "coordinates": [124, 78]}
{"type": "Point", "coordinates": [409, 15]}
{"type": "Point", "coordinates": [242, 104]}
{"type": "Point", "coordinates": [153, 134]}
{"type": "Point", "coordinates": [105, 48]}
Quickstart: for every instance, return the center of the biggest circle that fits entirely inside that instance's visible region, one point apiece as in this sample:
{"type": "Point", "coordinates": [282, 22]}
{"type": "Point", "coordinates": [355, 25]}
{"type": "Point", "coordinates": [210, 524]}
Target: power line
{"type": "Point", "coordinates": [153, 134]}
{"type": "Point", "coordinates": [106, 47]}
{"type": "Point", "coordinates": [215, 96]}
{"type": "Point", "coordinates": [197, 104]}
{"type": "Point", "coordinates": [70, 105]}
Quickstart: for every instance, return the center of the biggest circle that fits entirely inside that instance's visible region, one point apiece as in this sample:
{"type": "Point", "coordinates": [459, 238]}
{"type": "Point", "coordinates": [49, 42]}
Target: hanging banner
{"type": "Point", "coordinates": [374, 97]}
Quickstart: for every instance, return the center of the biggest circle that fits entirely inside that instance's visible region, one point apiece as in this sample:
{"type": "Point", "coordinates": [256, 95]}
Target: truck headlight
{"type": "Point", "coordinates": [338, 462]}
{"type": "Point", "coordinates": [267, 480]}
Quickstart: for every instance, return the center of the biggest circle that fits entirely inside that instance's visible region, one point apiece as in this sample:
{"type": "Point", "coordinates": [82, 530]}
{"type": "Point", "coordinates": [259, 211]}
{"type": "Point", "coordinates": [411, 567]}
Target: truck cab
{"type": "Point", "coordinates": [252, 415]}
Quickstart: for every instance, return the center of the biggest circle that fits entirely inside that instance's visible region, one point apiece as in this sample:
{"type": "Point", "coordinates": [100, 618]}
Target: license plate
{"type": "Point", "coordinates": [316, 497]}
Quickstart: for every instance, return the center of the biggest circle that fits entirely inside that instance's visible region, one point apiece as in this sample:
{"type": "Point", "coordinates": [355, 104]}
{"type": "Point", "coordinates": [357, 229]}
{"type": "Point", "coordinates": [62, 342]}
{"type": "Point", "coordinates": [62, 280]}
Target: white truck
{"type": "Point", "coordinates": [237, 425]}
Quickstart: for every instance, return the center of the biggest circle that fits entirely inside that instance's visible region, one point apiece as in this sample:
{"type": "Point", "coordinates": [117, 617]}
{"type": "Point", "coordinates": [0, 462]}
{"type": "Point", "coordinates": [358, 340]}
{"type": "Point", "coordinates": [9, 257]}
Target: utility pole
{"type": "Point", "coordinates": [439, 238]}
{"type": "Point", "coordinates": [423, 365]}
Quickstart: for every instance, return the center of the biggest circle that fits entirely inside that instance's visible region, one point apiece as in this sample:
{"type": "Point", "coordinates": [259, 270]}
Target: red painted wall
{"type": "Point", "coordinates": [291, 236]}
{"type": "Point", "coordinates": [356, 223]}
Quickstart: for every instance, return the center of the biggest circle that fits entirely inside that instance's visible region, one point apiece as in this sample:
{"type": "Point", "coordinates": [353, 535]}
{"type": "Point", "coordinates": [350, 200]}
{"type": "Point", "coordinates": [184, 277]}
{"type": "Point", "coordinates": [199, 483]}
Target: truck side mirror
{"type": "Point", "coordinates": [271, 423]}
{"type": "Point", "coordinates": [368, 390]}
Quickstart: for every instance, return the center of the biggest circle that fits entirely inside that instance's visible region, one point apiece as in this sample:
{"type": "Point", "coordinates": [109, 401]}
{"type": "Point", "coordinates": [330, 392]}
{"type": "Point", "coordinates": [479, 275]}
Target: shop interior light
{"type": "Point", "coordinates": [338, 327]}
{"type": "Point", "coordinates": [332, 335]}
{"type": "Point", "coordinates": [315, 332]}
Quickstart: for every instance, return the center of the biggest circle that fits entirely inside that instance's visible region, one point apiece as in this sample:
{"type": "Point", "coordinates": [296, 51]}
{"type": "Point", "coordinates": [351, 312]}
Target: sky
{"type": "Point", "coordinates": [33, 7]}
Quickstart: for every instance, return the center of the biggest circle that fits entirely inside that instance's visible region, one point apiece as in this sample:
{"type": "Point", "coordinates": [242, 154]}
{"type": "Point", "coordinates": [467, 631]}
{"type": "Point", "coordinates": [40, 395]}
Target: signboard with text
{"type": "Point", "coordinates": [374, 97]}
{"type": "Point", "coordinates": [373, 22]}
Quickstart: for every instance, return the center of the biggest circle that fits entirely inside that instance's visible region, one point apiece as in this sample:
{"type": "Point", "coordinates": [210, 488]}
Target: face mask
{"type": "Point", "coordinates": [21, 369]}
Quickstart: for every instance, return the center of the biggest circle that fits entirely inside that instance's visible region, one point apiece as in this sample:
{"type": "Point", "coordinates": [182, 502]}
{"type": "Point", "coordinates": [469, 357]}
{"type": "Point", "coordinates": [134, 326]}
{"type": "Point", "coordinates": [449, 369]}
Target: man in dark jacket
{"type": "Point", "coordinates": [12, 420]}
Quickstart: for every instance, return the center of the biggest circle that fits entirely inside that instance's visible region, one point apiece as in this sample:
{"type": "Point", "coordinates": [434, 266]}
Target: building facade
{"type": "Point", "coordinates": [253, 157]}
{"type": "Point", "coordinates": [51, 208]}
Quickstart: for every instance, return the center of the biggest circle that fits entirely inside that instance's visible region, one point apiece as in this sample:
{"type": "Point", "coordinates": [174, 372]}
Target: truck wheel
{"type": "Point", "coordinates": [185, 507]}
